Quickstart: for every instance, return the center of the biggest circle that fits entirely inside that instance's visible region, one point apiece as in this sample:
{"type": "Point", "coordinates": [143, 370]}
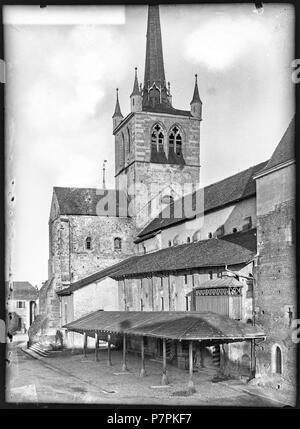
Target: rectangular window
{"type": "Point", "coordinates": [185, 279]}
{"type": "Point", "coordinates": [20, 304]}
{"type": "Point", "coordinates": [162, 304]}
{"type": "Point", "coordinates": [210, 273]}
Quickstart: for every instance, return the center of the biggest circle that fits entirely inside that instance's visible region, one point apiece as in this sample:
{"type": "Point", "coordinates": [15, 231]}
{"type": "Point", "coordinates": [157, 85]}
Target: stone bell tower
{"type": "Point", "coordinates": [157, 147]}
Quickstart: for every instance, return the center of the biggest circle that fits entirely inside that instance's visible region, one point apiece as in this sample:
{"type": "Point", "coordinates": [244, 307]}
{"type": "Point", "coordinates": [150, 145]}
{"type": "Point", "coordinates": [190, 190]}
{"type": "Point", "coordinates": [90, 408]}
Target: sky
{"type": "Point", "coordinates": [63, 65]}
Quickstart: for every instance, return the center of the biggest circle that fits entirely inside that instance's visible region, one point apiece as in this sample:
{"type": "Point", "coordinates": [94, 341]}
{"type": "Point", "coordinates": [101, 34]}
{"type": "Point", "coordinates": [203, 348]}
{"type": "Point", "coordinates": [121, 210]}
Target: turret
{"type": "Point", "coordinates": [117, 116]}
{"type": "Point", "coordinates": [136, 99]}
{"type": "Point", "coordinates": [196, 103]}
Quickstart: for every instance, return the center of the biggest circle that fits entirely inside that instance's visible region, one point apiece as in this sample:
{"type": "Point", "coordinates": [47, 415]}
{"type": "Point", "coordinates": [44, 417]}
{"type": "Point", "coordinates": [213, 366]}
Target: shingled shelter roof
{"type": "Point", "coordinates": [23, 291]}
{"type": "Point", "coordinates": [85, 201]}
{"type": "Point", "coordinates": [285, 150]}
{"type": "Point", "coordinates": [177, 325]}
{"type": "Point", "coordinates": [226, 281]}
{"type": "Point", "coordinates": [217, 195]}
{"type": "Point", "coordinates": [206, 253]}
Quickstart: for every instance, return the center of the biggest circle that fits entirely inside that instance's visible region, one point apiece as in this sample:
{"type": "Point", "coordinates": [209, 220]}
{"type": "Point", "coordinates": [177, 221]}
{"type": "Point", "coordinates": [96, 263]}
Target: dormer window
{"type": "Point", "coordinates": [88, 243]}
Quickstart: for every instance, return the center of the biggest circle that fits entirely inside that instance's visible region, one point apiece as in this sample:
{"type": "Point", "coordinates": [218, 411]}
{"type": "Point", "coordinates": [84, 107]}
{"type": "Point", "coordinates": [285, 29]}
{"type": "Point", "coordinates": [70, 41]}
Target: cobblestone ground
{"type": "Point", "coordinates": [67, 378]}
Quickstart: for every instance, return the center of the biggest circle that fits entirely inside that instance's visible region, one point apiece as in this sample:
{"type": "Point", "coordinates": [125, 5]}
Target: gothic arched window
{"type": "Point", "coordinates": [129, 140]}
{"type": "Point", "coordinates": [117, 243]}
{"type": "Point", "coordinates": [175, 145]}
{"type": "Point", "coordinates": [157, 144]}
{"type": "Point", "coordinates": [123, 151]}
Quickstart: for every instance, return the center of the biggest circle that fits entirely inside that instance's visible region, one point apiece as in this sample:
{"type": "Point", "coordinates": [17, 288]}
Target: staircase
{"type": "Point", "coordinates": [37, 351]}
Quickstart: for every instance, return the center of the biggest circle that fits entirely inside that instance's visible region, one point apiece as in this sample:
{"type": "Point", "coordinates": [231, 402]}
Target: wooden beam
{"type": "Point", "coordinates": [109, 350]}
{"type": "Point", "coordinates": [84, 344]}
{"type": "Point", "coordinates": [191, 386]}
{"type": "Point", "coordinates": [142, 372]}
{"type": "Point", "coordinates": [124, 365]}
{"type": "Point", "coordinates": [164, 380]}
{"type": "Point", "coordinates": [96, 347]}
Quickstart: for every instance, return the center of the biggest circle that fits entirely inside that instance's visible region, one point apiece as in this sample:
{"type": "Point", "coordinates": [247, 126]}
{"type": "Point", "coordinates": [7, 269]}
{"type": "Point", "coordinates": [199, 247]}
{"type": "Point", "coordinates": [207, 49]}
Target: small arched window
{"type": "Point", "coordinates": [88, 243]}
{"type": "Point", "coordinates": [278, 361]}
{"type": "Point", "coordinates": [117, 243]}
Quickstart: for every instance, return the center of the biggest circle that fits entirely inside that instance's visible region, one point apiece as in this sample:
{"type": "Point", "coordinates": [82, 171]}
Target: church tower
{"type": "Point", "coordinates": [157, 147]}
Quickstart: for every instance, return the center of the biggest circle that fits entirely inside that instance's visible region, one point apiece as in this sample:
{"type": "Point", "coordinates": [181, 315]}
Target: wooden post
{"type": "Point", "coordinates": [109, 350]}
{"type": "Point", "coordinates": [253, 358]}
{"type": "Point", "coordinates": [191, 386]}
{"type": "Point", "coordinates": [201, 353]}
{"type": "Point", "coordinates": [124, 365]}
{"type": "Point", "coordinates": [164, 379]}
{"type": "Point", "coordinates": [96, 346]}
{"type": "Point", "coordinates": [142, 372]}
{"type": "Point", "coordinates": [84, 344]}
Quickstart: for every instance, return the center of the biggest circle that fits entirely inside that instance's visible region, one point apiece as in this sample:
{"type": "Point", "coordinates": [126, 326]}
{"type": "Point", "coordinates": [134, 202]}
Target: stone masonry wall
{"type": "Point", "coordinates": [275, 294]}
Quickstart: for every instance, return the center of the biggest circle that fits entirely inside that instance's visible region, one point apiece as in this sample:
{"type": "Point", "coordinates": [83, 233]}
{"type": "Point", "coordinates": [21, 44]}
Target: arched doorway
{"type": "Point", "coordinates": [278, 360]}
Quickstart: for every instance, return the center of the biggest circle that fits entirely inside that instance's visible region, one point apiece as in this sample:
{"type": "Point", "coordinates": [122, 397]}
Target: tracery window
{"type": "Point", "coordinates": [157, 138]}
{"type": "Point", "coordinates": [157, 144]}
{"type": "Point", "coordinates": [175, 141]}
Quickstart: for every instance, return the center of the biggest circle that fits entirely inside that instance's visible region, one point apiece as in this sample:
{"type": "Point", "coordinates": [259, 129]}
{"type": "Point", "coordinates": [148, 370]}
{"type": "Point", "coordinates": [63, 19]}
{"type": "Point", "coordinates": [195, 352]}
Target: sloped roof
{"type": "Point", "coordinates": [206, 253]}
{"type": "Point", "coordinates": [85, 201]}
{"type": "Point", "coordinates": [177, 325]}
{"type": "Point", "coordinates": [23, 291]}
{"type": "Point", "coordinates": [220, 282]}
{"type": "Point", "coordinates": [164, 108]}
{"type": "Point", "coordinates": [99, 275]}
{"type": "Point", "coordinates": [219, 194]}
{"type": "Point", "coordinates": [285, 150]}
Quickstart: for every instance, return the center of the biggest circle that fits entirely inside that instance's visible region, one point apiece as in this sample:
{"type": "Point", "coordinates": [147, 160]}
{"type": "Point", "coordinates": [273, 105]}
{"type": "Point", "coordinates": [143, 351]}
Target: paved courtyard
{"type": "Point", "coordinates": [67, 378]}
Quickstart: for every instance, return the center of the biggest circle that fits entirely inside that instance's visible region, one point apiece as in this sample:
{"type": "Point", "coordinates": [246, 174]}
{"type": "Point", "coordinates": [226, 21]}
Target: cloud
{"type": "Point", "coordinates": [222, 40]}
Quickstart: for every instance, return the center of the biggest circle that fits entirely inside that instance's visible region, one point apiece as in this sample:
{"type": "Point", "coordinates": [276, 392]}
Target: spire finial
{"type": "Point", "coordinates": [196, 97]}
{"type": "Point", "coordinates": [117, 109]}
{"type": "Point", "coordinates": [135, 90]}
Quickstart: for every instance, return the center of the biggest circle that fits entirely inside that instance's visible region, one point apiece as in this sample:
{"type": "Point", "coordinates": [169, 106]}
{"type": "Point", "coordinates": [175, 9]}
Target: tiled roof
{"type": "Point", "coordinates": [177, 325]}
{"type": "Point", "coordinates": [99, 275]}
{"type": "Point", "coordinates": [85, 201]}
{"type": "Point", "coordinates": [206, 253]}
{"type": "Point", "coordinates": [245, 239]}
{"type": "Point", "coordinates": [220, 282]}
{"type": "Point", "coordinates": [219, 194]}
{"type": "Point", "coordinates": [285, 150]}
{"type": "Point", "coordinates": [23, 291]}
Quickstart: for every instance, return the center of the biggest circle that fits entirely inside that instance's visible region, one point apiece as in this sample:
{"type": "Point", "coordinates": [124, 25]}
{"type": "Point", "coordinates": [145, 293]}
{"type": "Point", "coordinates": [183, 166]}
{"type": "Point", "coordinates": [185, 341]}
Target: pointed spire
{"type": "Point", "coordinates": [196, 97]}
{"type": "Point", "coordinates": [155, 90]}
{"type": "Point", "coordinates": [117, 109]}
{"type": "Point", "coordinates": [136, 90]}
